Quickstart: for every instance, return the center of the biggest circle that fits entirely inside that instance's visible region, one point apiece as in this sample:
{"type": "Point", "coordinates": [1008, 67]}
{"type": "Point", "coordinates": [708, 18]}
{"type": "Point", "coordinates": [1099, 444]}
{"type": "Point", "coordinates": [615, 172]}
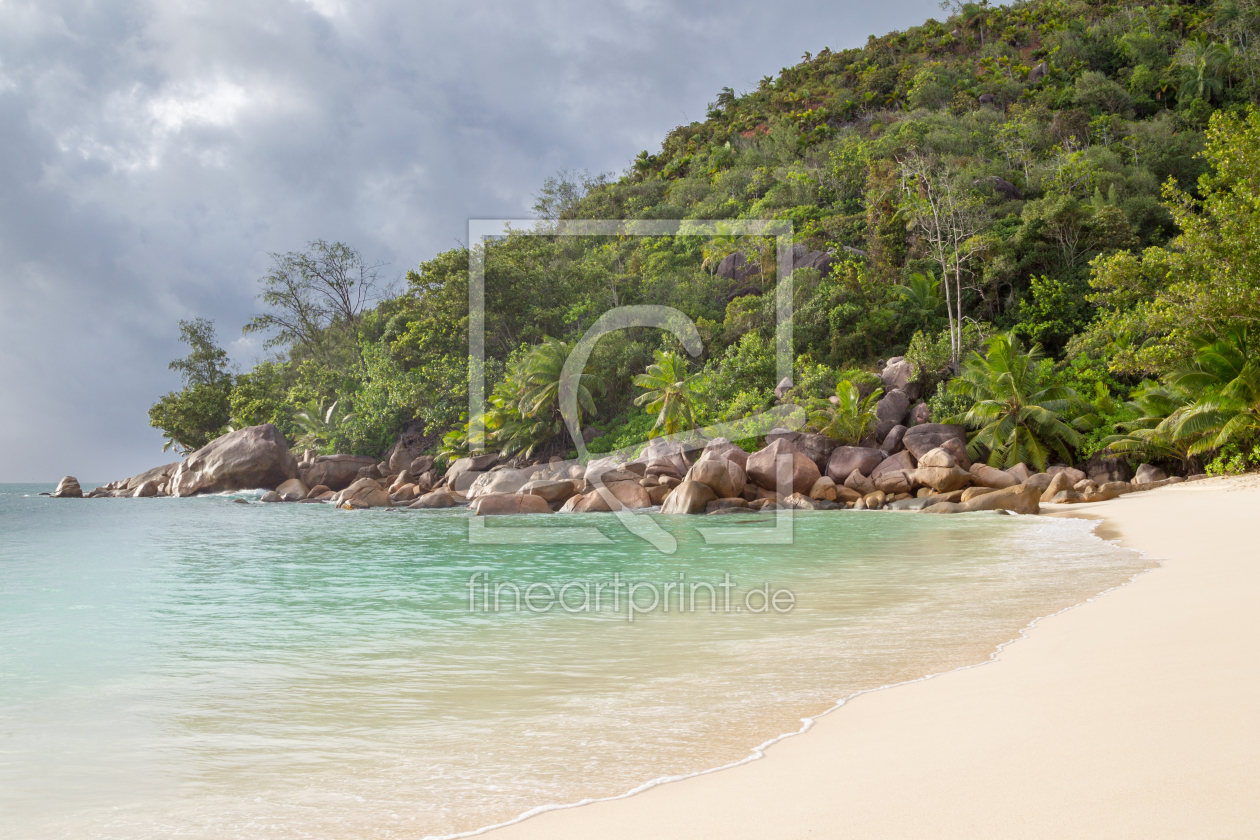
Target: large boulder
{"type": "Point", "coordinates": [498, 481]}
{"type": "Point", "coordinates": [1058, 483]}
{"type": "Point", "coordinates": [860, 483]}
{"type": "Point", "coordinates": [723, 448]}
{"type": "Point", "coordinates": [551, 490]}
{"type": "Point", "coordinates": [1149, 474]}
{"type": "Point", "coordinates": [1020, 472]}
{"type": "Point", "coordinates": [902, 461]}
{"type": "Point", "coordinates": [1018, 499]}
{"type": "Point", "coordinates": [434, 500]}
{"type": "Point", "coordinates": [628, 494]}
{"type": "Point", "coordinates": [817, 448]}
{"type": "Point", "coordinates": [336, 472]}
{"type": "Point", "coordinates": [463, 481]}
{"type": "Point", "coordinates": [157, 474]}
{"type": "Point", "coordinates": [845, 459]}
{"type": "Point", "coordinates": [253, 457]}
{"type": "Point", "coordinates": [1104, 468]}
{"type": "Point", "coordinates": [801, 470]}
{"type": "Point", "coordinates": [689, 497]}
{"type": "Point", "coordinates": [824, 489]}
{"type": "Point", "coordinates": [893, 482]}
{"type": "Point", "coordinates": [68, 488]}
{"type": "Point", "coordinates": [897, 374]}
{"type": "Point", "coordinates": [985, 476]}
{"type": "Point", "coordinates": [923, 438]}
{"type": "Point", "coordinates": [471, 463]}
{"type": "Point", "coordinates": [892, 443]}
{"type": "Point", "coordinates": [148, 490]}
{"type": "Point", "coordinates": [736, 267]}
{"type": "Point", "coordinates": [939, 470]}
{"type": "Point", "coordinates": [890, 412]}
{"type": "Point", "coordinates": [920, 415]}
{"type": "Point", "coordinates": [420, 465]}
{"type": "Point", "coordinates": [409, 446]}
{"type": "Point", "coordinates": [293, 490]}
{"type": "Point", "coordinates": [665, 457]}
{"type": "Point", "coordinates": [366, 492]}
{"type": "Point", "coordinates": [724, 477]}
{"type": "Point", "coordinates": [503, 504]}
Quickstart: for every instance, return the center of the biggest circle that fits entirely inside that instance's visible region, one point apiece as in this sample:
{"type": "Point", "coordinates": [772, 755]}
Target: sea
{"type": "Point", "coordinates": [210, 669]}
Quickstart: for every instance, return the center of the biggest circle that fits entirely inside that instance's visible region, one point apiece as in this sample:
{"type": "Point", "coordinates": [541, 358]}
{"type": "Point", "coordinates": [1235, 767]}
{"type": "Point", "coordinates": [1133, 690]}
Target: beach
{"type": "Point", "coordinates": [1131, 715]}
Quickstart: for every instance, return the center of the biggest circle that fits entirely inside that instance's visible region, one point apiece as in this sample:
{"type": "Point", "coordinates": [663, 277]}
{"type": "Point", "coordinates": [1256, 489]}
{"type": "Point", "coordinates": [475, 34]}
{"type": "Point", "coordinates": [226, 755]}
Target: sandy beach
{"type": "Point", "coordinates": [1131, 716]}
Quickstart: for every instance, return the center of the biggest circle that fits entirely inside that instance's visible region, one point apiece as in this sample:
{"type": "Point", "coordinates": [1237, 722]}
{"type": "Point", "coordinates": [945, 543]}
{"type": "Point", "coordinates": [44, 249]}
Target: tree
{"type": "Point", "coordinates": [199, 413]}
{"type": "Point", "coordinates": [1152, 433]}
{"type": "Point", "coordinates": [948, 215]}
{"type": "Point", "coordinates": [1017, 418]}
{"type": "Point", "coordinates": [1226, 376]}
{"type": "Point", "coordinates": [849, 417]}
{"type": "Point", "coordinates": [1202, 70]}
{"type": "Point", "coordinates": [1207, 280]}
{"type": "Point", "coordinates": [314, 292]}
{"type": "Point", "coordinates": [671, 393]}
{"type": "Point", "coordinates": [319, 426]}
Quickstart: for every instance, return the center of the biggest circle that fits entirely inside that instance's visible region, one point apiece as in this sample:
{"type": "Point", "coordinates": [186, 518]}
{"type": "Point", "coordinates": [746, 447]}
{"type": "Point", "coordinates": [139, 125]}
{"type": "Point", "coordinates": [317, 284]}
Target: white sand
{"type": "Point", "coordinates": [1136, 715]}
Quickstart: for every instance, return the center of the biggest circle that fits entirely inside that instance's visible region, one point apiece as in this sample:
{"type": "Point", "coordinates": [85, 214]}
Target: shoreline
{"type": "Point", "coordinates": [696, 805]}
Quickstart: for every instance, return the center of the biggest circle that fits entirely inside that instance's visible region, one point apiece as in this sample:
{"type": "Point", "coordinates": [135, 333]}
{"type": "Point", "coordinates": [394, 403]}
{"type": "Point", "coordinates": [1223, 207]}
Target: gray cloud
{"type": "Point", "coordinates": [153, 153]}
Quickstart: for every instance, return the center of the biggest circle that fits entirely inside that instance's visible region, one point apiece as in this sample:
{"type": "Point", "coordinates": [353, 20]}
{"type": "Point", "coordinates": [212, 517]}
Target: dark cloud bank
{"type": "Point", "coordinates": [152, 154]}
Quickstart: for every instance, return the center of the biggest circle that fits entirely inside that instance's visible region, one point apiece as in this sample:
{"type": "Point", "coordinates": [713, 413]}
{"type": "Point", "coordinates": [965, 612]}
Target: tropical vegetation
{"type": "Point", "coordinates": [1050, 208]}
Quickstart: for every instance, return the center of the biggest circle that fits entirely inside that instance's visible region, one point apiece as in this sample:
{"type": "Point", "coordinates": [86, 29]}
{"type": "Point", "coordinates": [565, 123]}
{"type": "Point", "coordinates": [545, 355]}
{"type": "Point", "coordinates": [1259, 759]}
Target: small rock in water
{"type": "Point", "coordinates": [239, 502]}
{"type": "Point", "coordinates": [271, 496]}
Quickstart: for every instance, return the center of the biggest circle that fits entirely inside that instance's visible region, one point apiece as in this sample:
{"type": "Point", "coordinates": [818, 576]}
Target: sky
{"type": "Point", "coordinates": [153, 154]}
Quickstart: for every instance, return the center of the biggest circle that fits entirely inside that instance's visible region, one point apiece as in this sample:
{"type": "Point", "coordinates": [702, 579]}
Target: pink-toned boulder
{"type": "Point", "coordinates": [722, 448]}
{"type": "Point", "coordinates": [985, 476]}
{"type": "Point", "coordinates": [337, 472]}
{"type": "Point", "coordinates": [903, 461]}
{"type": "Point", "coordinates": [435, 500]}
{"type": "Point", "coordinates": [1020, 472]}
{"type": "Point", "coordinates": [799, 469]}
{"type": "Point", "coordinates": [293, 490]}
{"type": "Point", "coordinates": [824, 489]}
{"type": "Point", "coordinates": [1018, 499]}
{"type": "Point", "coordinates": [367, 491]}
{"type": "Point", "coordinates": [894, 482]}
{"type": "Point", "coordinates": [860, 483]}
{"type": "Point", "coordinates": [689, 497]}
{"type": "Point", "coordinates": [726, 478]}
{"type": "Point", "coordinates": [504, 504]}
{"type": "Point", "coordinates": [845, 459]}
{"type": "Point", "coordinates": [551, 491]}
{"type": "Point", "coordinates": [253, 457]}
{"type": "Point", "coordinates": [923, 438]}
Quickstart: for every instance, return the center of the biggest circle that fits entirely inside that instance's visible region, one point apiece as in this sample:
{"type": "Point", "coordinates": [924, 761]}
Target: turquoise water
{"type": "Point", "coordinates": [195, 667]}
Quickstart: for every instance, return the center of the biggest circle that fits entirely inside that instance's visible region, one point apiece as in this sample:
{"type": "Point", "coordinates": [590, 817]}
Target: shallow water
{"type": "Point", "coordinates": [194, 667]}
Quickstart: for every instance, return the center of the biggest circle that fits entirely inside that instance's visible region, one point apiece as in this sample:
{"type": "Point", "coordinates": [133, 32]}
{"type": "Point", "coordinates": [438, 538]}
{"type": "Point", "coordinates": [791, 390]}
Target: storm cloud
{"type": "Point", "coordinates": [152, 154]}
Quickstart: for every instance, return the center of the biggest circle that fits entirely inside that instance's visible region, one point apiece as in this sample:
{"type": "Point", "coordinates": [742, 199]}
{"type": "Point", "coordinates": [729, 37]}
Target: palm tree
{"type": "Point", "coordinates": [1203, 70]}
{"type": "Point", "coordinates": [1152, 433]}
{"type": "Point", "coordinates": [1226, 376]}
{"type": "Point", "coordinates": [848, 417]}
{"type": "Point", "coordinates": [670, 393]}
{"type": "Point", "coordinates": [540, 375]}
{"type": "Point", "coordinates": [975, 16]}
{"type": "Point", "coordinates": [318, 425]}
{"type": "Point", "coordinates": [1015, 417]}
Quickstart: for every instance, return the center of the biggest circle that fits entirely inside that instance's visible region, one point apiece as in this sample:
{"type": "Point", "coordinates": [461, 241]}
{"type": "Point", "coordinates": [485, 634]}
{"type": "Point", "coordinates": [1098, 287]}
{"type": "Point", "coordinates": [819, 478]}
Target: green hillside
{"type": "Point", "coordinates": [1056, 200]}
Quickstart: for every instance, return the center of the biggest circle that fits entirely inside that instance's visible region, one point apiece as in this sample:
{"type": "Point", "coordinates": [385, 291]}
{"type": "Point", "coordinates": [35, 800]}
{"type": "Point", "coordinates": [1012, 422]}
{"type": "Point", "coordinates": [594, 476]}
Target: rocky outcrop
{"type": "Point", "coordinates": [249, 458]}
{"type": "Point", "coordinates": [892, 443]}
{"type": "Point", "coordinates": [160, 475]}
{"type": "Point", "coordinates": [919, 415]}
{"type": "Point", "coordinates": [498, 481]}
{"type": "Point", "coordinates": [897, 374]}
{"type": "Point", "coordinates": [336, 472]}
{"type": "Point", "coordinates": [552, 491]}
{"type": "Point", "coordinates": [1149, 474]}
{"type": "Point", "coordinates": [410, 445]}
{"type": "Point", "coordinates": [68, 488]}
{"type": "Point", "coordinates": [903, 461]}
{"type": "Point", "coordinates": [365, 491]}
{"type": "Point", "coordinates": [723, 448]}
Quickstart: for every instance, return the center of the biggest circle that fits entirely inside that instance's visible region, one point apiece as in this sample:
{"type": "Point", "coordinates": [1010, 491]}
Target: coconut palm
{"type": "Point", "coordinates": [1015, 417]}
{"type": "Point", "coordinates": [1152, 433]}
{"type": "Point", "coordinates": [1225, 374]}
{"type": "Point", "coordinates": [319, 425]}
{"type": "Point", "coordinates": [848, 416]}
{"type": "Point", "coordinates": [1203, 70]}
{"type": "Point", "coordinates": [670, 393]}
{"type": "Point", "coordinates": [540, 375]}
